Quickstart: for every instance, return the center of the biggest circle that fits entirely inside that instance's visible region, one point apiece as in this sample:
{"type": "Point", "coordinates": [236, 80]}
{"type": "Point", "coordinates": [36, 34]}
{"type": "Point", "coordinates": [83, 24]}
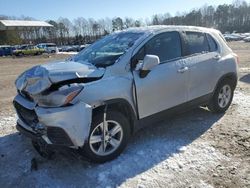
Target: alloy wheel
{"type": "Point", "coordinates": [224, 96]}
{"type": "Point", "coordinates": [106, 138]}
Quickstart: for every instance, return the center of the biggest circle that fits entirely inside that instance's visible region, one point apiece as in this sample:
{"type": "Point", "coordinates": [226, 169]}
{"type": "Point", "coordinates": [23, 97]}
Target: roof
{"type": "Point", "coordinates": [158, 28]}
{"type": "Point", "coordinates": [19, 24]}
{"type": "Point", "coordinates": [46, 43]}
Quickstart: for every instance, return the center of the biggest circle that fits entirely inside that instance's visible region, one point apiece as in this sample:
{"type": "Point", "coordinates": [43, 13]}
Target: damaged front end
{"type": "Point", "coordinates": [44, 103]}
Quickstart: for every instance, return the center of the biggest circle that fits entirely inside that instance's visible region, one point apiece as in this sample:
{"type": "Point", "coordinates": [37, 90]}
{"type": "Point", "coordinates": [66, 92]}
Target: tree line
{"type": "Point", "coordinates": [233, 17]}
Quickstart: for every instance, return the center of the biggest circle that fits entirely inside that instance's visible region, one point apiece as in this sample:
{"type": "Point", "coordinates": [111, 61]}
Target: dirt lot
{"type": "Point", "coordinates": [195, 149]}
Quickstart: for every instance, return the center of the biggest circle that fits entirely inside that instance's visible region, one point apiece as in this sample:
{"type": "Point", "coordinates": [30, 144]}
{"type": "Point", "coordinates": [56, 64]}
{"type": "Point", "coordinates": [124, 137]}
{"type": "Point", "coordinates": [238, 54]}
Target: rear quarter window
{"type": "Point", "coordinates": [196, 43]}
{"type": "Point", "coordinates": [212, 44]}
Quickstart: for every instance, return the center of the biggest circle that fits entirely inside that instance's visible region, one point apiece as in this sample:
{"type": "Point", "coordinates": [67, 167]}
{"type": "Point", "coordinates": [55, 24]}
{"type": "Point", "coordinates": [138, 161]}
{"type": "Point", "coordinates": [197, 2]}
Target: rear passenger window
{"type": "Point", "coordinates": [212, 44]}
{"type": "Point", "coordinates": [166, 46]}
{"type": "Point", "coordinates": [196, 43]}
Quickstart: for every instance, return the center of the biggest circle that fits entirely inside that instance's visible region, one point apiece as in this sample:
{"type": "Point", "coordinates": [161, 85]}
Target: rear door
{"type": "Point", "coordinates": [201, 61]}
{"type": "Point", "coordinates": [165, 85]}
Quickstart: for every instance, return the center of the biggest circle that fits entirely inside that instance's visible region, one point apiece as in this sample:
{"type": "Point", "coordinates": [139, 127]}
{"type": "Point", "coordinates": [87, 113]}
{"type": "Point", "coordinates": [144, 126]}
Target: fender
{"type": "Point", "coordinates": [121, 105]}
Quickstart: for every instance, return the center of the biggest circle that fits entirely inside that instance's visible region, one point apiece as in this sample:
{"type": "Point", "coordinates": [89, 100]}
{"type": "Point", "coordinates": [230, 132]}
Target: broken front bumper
{"type": "Point", "coordinates": [68, 126]}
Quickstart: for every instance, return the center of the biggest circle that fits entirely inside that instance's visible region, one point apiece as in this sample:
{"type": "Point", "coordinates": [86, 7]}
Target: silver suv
{"type": "Point", "coordinates": [48, 47]}
{"type": "Point", "coordinates": [96, 100]}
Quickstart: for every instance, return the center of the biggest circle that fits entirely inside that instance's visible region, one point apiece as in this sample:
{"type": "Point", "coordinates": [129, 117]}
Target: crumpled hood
{"type": "Point", "coordinates": [40, 78]}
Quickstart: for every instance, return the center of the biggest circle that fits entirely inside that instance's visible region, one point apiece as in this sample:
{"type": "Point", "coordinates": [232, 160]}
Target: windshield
{"type": "Point", "coordinates": [23, 47]}
{"type": "Point", "coordinates": [51, 45]}
{"type": "Point", "coordinates": [106, 51]}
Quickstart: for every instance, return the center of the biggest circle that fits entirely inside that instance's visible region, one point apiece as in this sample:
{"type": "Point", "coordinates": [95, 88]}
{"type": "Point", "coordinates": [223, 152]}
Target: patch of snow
{"type": "Point", "coordinates": [244, 69]}
{"type": "Point", "coordinates": [243, 103]}
{"type": "Point", "coordinates": [168, 154]}
{"type": "Point", "coordinates": [182, 149]}
{"type": "Point", "coordinates": [68, 53]}
{"type": "Point", "coordinates": [7, 125]}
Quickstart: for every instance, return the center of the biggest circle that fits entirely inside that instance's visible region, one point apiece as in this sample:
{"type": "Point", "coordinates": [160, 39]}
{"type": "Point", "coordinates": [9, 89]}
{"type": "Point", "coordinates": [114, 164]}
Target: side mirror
{"type": "Point", "coordinates": [149, 62]}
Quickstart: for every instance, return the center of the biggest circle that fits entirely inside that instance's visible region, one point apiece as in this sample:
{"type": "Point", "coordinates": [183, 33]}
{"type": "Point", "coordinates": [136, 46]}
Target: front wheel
{"type": "Point", "coordinates": [107, 139]}
{"type": "Point", "coordinates": [222, 97]}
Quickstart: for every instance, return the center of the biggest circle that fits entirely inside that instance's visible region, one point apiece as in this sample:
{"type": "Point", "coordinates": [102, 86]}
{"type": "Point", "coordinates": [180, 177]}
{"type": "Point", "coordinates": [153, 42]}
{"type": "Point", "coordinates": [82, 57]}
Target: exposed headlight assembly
{"type": "Point", "coordinates": [62, 97]}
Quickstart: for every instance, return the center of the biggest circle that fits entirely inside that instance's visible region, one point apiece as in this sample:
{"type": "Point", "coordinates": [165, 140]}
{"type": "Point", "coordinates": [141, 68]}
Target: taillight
{"type": "Point", "coordinates": [237, 58]}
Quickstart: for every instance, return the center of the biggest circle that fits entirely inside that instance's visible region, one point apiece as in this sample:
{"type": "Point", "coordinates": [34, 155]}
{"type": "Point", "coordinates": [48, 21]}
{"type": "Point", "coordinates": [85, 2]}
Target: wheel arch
{"type": "Point", "coordinates": [213, 101]}
{"type": "Point", "coordinates": [229, 76]}
{"type": "Point", "coordinates": [120, 105]}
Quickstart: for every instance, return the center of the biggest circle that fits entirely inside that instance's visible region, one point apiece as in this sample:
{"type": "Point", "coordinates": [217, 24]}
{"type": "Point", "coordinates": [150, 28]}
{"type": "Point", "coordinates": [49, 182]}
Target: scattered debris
{"type": "Point", "coordinates": [182, 149]}
{"type": "Point", "coordinates": [34, 166]}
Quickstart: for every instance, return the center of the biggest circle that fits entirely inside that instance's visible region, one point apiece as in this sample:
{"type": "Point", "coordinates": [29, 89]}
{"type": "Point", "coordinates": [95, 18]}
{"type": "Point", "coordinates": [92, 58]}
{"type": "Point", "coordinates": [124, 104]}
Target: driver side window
{"type": "Point", "coordinates": [166, 46]}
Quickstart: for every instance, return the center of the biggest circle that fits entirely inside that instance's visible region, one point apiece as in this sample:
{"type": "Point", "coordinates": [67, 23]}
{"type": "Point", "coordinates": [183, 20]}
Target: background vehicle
{"type": "Point", "coordinates": [28, 50]}
{"type": "Point", "coordinates": [121, 83]}
{"type": "Point", "coordinates": [81, 47]}
{"type": "Point", "coordinates": [233, 37]}
{"type": "Point", "coordinates": [48, 47]}
{"type": "Point", "coordinates": [247, 39]}
{"type": "Point", "coordinates": [6, 50]}
{"type": "Point", "coordinates": [72, 48]}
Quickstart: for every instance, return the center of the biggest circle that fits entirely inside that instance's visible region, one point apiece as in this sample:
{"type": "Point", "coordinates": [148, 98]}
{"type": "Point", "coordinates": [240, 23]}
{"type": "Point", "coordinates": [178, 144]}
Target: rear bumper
{"type": "Point", "coordinates": [66, 126]}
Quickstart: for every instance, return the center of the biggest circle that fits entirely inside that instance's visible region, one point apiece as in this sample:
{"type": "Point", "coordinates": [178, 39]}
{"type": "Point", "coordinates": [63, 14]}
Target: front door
{"type": "Point", "coordinates": [165, 86]}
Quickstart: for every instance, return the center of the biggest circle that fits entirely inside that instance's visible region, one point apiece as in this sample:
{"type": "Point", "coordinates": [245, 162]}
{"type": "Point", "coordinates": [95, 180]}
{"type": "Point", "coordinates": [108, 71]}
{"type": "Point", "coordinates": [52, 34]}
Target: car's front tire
{"type": "Point", "coordinates": [106, 140]}
{"type": "Point", "coordinates": [222, 97]}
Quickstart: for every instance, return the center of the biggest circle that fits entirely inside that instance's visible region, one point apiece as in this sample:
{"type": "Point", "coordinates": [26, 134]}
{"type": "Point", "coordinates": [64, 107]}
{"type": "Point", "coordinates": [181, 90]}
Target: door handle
{"type": "Point", "coordinates": [183, 69]}
{"type": "Point", "coordinates": [217, 57]}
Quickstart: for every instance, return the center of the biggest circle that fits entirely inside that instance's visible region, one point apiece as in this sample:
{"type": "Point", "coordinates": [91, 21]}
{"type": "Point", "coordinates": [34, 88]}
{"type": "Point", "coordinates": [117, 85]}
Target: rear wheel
{"type": "Point", "coordinates": [107, 139]}
{"type": "Point", "coordinates": [222, 97]}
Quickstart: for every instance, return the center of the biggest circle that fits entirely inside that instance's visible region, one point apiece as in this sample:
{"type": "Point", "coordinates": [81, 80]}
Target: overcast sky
{"type": "Point", "coordinates": [53, 9]}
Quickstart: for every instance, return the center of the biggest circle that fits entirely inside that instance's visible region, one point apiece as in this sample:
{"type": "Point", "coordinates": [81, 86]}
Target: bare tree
{"type": "Point", "coordinates": [117, 24]}
{"type": "Point", "coordinates": [68, 28]}
{"type": "Point", "coordinates": [233, 17]}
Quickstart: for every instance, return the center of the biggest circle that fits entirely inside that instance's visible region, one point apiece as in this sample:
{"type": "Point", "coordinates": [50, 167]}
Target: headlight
{"type": "Point", "coordinates": [61, 97]}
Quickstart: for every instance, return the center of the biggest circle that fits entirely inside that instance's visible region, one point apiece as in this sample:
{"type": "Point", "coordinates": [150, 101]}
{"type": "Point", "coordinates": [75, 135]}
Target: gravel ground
{"type": "Point", "coordinates": [194, 149]}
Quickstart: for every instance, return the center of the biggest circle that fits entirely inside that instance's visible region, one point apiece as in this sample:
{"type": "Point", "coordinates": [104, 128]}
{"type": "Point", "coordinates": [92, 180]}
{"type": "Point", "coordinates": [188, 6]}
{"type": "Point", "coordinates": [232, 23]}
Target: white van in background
{"type": "Point", "coordinates": [48, 47]}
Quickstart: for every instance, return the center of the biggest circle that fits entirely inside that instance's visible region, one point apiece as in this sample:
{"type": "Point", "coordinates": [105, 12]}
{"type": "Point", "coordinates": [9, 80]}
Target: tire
{"type": "Point", "coordinates": [115, 143]}
{"type": "Point", "coordinates": [222, 97]}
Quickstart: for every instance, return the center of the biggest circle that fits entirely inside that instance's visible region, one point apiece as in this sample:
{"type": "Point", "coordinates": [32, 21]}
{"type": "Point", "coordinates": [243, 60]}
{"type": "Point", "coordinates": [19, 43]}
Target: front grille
{"type": "Point", "coordinates": [27, 116]}
{"type": "Point", "coordinates": [58, 136]}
